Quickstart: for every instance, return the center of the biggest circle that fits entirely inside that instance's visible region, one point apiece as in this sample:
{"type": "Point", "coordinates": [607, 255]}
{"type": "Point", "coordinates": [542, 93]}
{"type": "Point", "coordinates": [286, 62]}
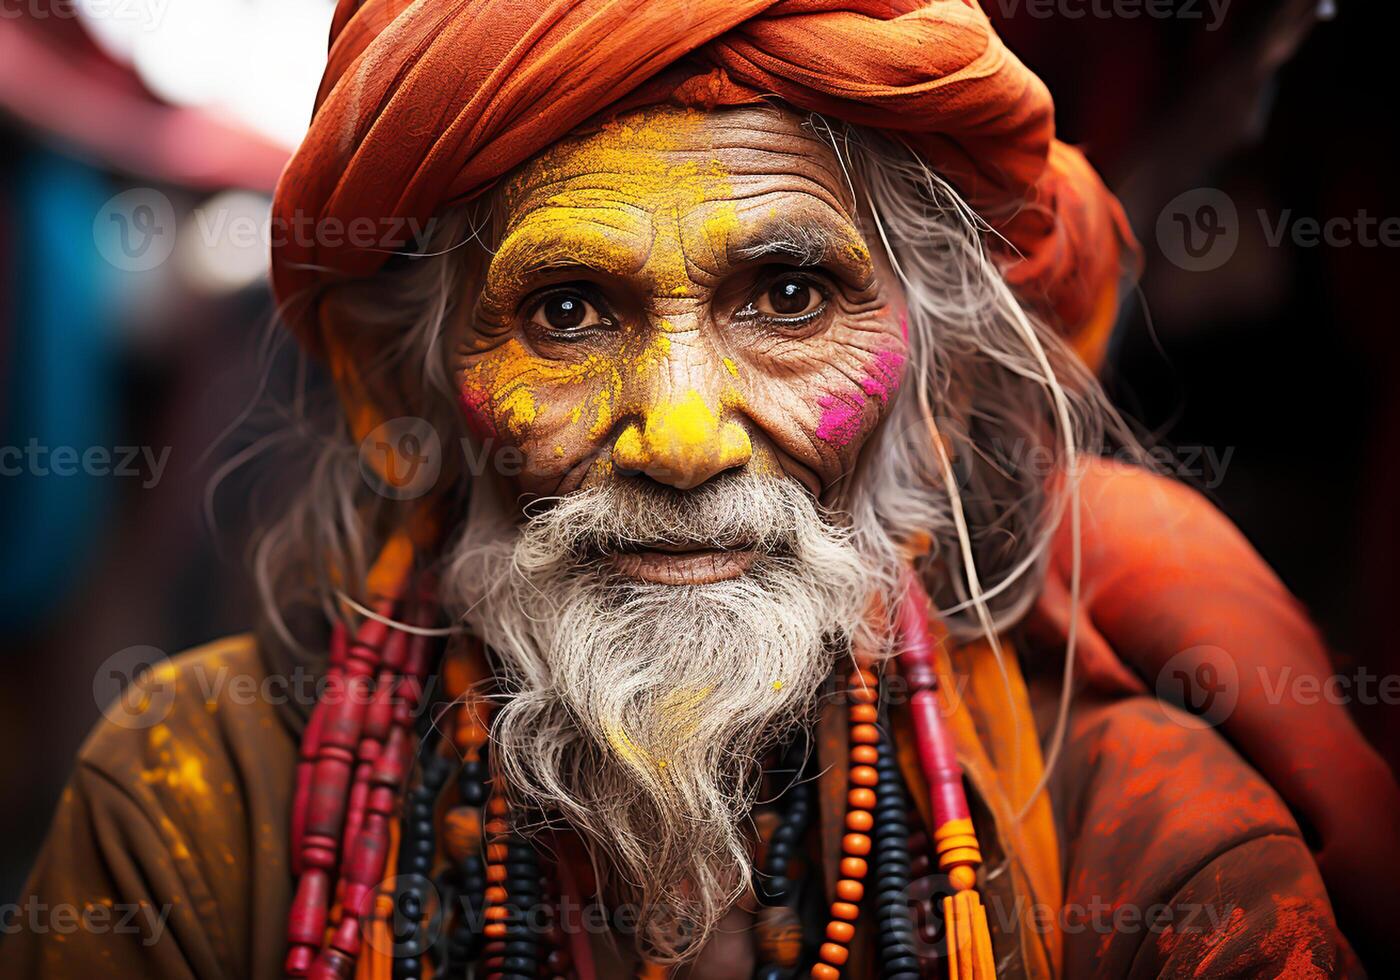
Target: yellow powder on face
{"type": "Point", "coordinates": [637, 180]}
{"type": "Point", "coordinates": [629, 182]}
{"type": "Point", "coordinates": [684, 433]}
{"type": "Point", "coordinates": [512, 379]}
{"type": "Point", "coordinates": [688, 424]}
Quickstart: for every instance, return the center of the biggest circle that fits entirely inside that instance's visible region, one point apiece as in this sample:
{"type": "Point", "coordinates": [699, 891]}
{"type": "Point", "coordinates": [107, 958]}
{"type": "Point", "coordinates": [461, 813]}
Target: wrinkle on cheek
{"type": "Point", "coordinates": [842, 416]}
{"type": "Point", "coordinates": [509, 391]}
{"type": "Point", "coordinates": [501, 393]}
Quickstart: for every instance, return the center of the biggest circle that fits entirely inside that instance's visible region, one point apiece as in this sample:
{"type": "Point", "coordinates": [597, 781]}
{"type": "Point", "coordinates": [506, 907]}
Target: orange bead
{"type": "Point", "coordinates": [495, 894]}
{"type": "Point", "coordinates": [495, 872]}
{"type": "Point", "coordinates": [867, 734]}
{"type": "Point", "coordinates": [824, 971]}
{"type": "Point", "coordinates": [853, 867]}
{"type": "Point", "coordinates": [497, 912]}
{"type": "Point", "coordinates": [840, 932]}
{"type": "Point", "coordinates": [849, 891]}
{"type": "Point", "coordinates": [856, 844]}
{"type": "Point", "coordinates": [864, 676]}
{"type": "Point", "coordinates": [494, 930]}
{"type": "Point", "coordinates": [867, 713]}
{"type": "Point", "coordinates": [860, 820]}
{"type": "Point", "coordinates": [866, 755]}
{"type": "Point", "coordinates": [834, 953]}
{"type": "Point", "coordinates": [845, 910]}
{"type": "Point", "coordinates": [495, 853]}
{"type": "Point", "coordinates": [864, 776]}
{"type": "Point", "coordinates": [962, 878]}
{"type": "Point", "coordinates": [862, 798]}
{"type": "Point", "coordinates": [865, 695]}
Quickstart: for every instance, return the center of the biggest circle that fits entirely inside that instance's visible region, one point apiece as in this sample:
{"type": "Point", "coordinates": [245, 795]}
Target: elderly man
{"type": "Point", "coordinates": [729, 645]}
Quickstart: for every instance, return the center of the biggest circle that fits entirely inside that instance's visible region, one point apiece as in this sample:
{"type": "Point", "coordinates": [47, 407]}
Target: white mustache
{"type": "Point", "coordinates": [739, 511]}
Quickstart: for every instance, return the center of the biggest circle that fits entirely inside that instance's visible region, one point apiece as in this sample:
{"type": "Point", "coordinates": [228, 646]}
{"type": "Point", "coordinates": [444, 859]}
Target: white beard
{"type": "Point", "coordinates": [637, 711]}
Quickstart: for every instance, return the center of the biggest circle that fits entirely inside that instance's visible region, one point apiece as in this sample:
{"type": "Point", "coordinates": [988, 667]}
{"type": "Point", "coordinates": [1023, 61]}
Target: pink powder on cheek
{"type": "Point", "coordinates": [840, 421]}
{"type": "Point", "coordinates": [883, 379]}
{"type": "Point", "coordinates": [843, 416]}
{"type": "Point", "coordinates": [476, 404]}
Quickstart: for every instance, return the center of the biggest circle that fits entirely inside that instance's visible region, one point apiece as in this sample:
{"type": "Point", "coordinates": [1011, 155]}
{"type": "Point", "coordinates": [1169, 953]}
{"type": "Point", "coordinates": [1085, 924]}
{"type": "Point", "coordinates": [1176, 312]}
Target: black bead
{"type": "Point", "coordinates": [901, 964]}
{"type": "Point", "coordinates": [473, 794]}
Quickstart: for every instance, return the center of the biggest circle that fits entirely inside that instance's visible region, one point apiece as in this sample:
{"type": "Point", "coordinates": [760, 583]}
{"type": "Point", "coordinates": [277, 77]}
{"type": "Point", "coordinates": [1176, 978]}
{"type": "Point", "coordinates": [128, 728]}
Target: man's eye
{"type": "Point", "coordinates": [789, 297]}
{"type": "Point", "coordinates": [567, 313]}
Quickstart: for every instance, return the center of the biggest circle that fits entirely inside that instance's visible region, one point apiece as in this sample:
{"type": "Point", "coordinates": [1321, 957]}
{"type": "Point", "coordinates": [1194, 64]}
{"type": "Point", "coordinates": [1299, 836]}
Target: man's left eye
{"type": "Point", "coordinates": [788, 298]}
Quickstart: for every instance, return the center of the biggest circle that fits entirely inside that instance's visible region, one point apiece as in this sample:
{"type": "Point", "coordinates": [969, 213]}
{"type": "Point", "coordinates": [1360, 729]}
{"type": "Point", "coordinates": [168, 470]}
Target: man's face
{"type": "Point", "coordinates": [684, 334]}
{"type": "Point", "coordinates": [679, 295]}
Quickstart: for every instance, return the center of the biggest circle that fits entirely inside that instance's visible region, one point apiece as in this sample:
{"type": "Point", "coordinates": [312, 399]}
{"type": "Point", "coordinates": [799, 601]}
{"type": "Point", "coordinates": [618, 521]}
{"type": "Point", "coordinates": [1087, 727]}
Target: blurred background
{"type": "Point", "coordinates": [140, 141]}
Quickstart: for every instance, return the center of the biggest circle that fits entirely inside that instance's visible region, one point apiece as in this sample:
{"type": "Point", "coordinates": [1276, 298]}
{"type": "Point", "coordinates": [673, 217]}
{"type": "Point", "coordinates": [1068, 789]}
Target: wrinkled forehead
{"type": "Point", "coordinates": [668, 156]}
{"type": "Point", "coordinates": [715, 183]}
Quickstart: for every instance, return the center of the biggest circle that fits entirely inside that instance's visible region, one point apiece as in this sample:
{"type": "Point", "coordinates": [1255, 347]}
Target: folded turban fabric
{"type": "Point", "coordinates": [427, 103]}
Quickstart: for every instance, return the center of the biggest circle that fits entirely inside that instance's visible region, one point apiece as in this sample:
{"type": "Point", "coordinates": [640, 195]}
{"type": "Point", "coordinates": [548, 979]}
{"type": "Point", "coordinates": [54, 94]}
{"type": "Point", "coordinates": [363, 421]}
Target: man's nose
{"type": "Point", "coordinates": [683, 443]}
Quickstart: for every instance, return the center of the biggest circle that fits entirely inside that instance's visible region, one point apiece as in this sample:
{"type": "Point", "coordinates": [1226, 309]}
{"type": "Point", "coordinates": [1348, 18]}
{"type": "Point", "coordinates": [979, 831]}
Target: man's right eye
{"type": "Point", "coordinates": [568, 312]}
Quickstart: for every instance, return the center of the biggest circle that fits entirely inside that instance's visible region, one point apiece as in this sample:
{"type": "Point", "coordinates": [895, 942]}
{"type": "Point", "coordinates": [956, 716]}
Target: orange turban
{"type": "Point", "coordinates": [426, 103]}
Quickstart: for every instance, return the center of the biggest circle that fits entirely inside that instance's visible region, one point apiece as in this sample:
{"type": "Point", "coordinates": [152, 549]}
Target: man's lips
{"type": "Point", "coordinates": [678, 565]}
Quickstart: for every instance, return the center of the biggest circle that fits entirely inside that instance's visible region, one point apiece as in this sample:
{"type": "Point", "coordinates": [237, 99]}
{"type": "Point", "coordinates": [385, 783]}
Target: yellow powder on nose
{"type": "Point", "coordinates": [731, 367]}
{"type": "Point", "coordinates": [683, 434]}
{"type": "Point", "coordinates": [688, 424]}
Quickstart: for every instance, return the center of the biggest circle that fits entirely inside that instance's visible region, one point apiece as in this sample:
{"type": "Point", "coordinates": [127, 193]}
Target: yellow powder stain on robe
{"type": "Point", "coordinates": [177, 766]}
